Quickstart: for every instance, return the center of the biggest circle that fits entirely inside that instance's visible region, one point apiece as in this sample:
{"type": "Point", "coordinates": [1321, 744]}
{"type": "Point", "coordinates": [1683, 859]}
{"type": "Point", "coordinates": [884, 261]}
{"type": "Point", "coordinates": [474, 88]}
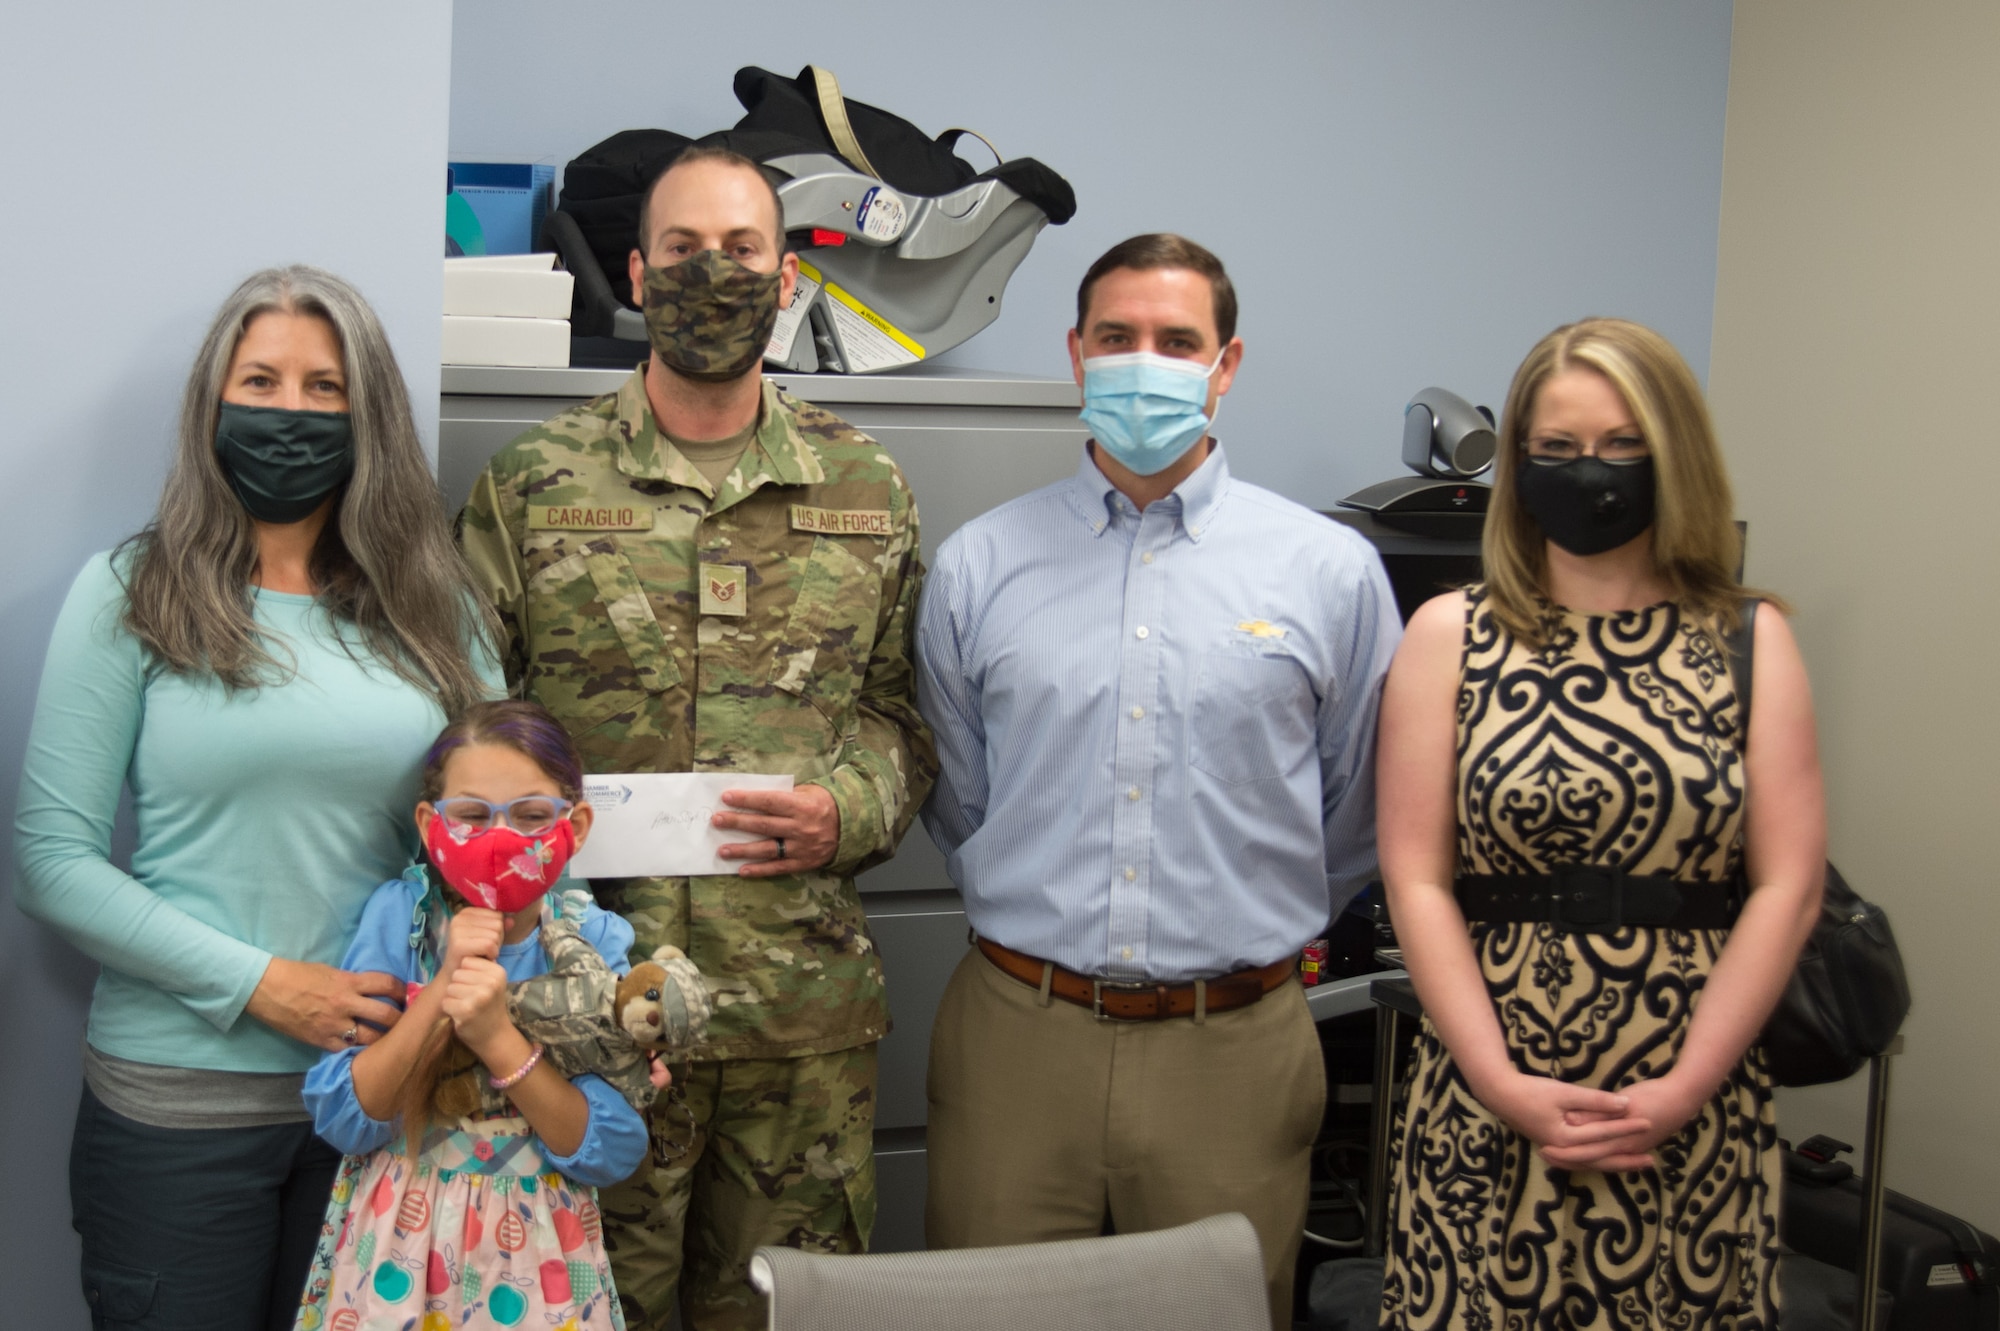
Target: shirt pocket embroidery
{"type": "Point", "coordinates": [598, 650]}
{"type": "Point", "coordinates": [830, 634]}
{"type": "Point", "coordinates": [1253, 717]}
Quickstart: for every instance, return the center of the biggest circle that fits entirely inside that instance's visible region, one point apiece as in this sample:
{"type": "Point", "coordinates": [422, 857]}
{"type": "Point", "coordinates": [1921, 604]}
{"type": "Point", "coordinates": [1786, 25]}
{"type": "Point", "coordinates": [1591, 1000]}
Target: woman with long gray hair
{"type": "Point", "coordinates": [261, 668]}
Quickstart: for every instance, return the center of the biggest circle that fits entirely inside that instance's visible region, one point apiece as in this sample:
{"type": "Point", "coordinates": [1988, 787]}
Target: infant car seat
{"type": "Point", "coordinates": [904, 250]}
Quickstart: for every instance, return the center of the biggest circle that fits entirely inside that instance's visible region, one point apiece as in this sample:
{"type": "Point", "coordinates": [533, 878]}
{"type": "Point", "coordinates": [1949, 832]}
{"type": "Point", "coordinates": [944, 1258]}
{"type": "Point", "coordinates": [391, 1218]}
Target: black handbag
{"type": "Point", "coordinates": [1847, 999]}
{"type": "Point", "coordinates": [1849, 995]}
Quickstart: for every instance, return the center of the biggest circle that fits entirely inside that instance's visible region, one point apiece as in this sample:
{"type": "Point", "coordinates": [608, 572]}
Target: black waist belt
{"type": "Point", "coordinates": [1578, 899]}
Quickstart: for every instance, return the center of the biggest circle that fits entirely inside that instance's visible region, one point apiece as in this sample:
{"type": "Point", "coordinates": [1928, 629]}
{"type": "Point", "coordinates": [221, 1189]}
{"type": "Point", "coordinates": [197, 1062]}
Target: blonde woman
{"type": "Point", "coordinates": [261, 667]}
{"type": "Point", "coordinates": [1600, 881]}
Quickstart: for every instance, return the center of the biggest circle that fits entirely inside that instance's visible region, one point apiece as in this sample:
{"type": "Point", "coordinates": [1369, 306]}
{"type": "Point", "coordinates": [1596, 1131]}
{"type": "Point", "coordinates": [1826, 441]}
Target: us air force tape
{"type": "Point", "coordinates": [841, 521]}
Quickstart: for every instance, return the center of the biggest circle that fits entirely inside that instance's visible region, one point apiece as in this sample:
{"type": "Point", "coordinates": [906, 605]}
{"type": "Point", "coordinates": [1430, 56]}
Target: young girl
{"type": "Point", "coordinates": [488, 1219]}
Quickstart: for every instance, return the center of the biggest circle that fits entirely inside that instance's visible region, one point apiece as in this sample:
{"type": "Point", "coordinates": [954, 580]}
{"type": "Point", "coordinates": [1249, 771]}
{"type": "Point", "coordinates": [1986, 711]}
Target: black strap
{"type": "Point", "coordinates": [1583, 899]}
{"type": "Point", "coordinates": [1742, 648]}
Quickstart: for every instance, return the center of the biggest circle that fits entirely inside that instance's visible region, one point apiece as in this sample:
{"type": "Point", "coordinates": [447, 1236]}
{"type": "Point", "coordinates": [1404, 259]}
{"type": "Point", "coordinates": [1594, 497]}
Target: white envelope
{"type": "Point", "coordinates": [655, 824]}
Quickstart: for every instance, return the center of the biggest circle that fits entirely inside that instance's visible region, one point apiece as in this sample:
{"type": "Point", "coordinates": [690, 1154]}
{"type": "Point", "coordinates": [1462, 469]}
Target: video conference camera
{"type": "Point", "coordinates": [1447, 441]}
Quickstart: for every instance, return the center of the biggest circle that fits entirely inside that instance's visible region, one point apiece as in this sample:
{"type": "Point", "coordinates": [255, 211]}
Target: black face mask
{"type": "Point", "coordinates": [1587, 506]}
{"type": "Point", "coordinates": [283, 463]}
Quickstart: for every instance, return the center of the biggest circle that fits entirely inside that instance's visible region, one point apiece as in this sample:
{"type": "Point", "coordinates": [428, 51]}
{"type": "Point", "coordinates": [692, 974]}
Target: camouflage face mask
{"type": "Point", "coordinates": [709, 317]}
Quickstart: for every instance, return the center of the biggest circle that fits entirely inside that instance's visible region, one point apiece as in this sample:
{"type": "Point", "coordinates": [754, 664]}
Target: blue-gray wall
{"type": "Point", "coordinates": [156, 154]}
{"type": "Point", "coordinates": [1406, 192]}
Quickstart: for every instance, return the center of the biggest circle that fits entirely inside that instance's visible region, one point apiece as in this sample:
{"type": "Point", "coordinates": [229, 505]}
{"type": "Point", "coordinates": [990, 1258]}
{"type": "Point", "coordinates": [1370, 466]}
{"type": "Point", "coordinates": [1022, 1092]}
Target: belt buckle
{"type": "Point", "coordinates": [1099, 985]}
{"type": "Point", "coordinates": [1574, 884]}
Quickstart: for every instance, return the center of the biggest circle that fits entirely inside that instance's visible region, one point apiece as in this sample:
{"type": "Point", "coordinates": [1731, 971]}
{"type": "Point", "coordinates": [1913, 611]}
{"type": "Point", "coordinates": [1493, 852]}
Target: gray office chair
{"type": "Point", "coordinates": [1207, 1276]}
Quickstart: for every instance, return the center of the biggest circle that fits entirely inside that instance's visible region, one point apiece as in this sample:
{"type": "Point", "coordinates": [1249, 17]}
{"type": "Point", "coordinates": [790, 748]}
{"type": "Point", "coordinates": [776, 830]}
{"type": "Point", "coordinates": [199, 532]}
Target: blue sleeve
{"type": "Point", "coordinates": [382, 943]}
{"type": "Point", "coordinates": [945, 696]}
{"type": "Point", "coordinates": [614, 1140]}
{"type": "Point", "coordinates": [611, 936]}
{"type": "Point", "coordinates": [1365, 631]}
{"type": "Point", "coordinates": [337, 1116]}
{"type": "Point", "coordinates": [88, 712]}
{"type": "Point", "coordinates": [382, 938]}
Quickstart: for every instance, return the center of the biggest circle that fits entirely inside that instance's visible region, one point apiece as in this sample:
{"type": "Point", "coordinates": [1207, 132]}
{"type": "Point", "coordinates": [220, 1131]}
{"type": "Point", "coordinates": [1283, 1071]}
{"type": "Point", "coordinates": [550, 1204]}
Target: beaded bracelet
{"type": "Point", "coordinates": [502, 1083]}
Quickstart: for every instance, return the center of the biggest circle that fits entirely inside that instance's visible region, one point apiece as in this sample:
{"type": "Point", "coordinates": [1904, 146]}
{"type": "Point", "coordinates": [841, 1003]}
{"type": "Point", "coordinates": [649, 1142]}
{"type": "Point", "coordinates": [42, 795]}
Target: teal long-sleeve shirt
{"type": "Point", "coordinates": [266, 817]}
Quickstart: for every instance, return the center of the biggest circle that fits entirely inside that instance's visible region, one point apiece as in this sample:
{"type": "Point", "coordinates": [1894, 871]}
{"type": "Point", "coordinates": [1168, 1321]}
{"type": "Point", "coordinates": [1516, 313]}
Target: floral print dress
{"type": "Point", "coordinates": [476, 1230]}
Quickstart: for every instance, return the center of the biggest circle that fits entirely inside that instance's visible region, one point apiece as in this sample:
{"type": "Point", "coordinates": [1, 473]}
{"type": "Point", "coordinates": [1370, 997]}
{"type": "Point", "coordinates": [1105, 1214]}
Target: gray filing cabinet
{"type": "Point", "coordinates": [967, 440]}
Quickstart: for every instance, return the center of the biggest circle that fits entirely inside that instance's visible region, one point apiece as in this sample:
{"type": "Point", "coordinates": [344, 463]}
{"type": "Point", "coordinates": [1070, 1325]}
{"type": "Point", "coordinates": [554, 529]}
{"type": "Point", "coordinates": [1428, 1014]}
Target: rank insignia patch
{"type": "Point", "coordinates": [724, 590]}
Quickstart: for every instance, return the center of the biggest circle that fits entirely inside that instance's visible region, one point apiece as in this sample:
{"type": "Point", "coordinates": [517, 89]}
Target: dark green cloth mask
{"type": "Point", "coordinates": [283, 463]}
{"type": "Point", "coordinates": [708, 317]}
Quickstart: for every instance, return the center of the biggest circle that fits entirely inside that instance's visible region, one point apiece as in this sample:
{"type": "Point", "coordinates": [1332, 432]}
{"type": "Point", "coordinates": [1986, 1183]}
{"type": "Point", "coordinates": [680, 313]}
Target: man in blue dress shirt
{"type": "Point", "coordinates": [1153, 689]}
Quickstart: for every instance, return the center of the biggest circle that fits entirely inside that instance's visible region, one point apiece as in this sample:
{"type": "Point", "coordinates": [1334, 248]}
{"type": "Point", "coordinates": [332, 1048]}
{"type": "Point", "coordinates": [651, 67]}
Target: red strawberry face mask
{"type": "Point", "coordinates": [497, 867]}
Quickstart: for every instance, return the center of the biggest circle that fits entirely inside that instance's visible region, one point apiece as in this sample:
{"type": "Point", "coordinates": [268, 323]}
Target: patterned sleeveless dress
{"type": "Point", "coordinates": [1614, 744]}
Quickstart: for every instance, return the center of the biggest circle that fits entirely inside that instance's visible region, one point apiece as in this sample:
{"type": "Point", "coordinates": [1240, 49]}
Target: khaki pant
{"type": "Point", "coordinates": [749, 1152]}
{"type": "Point", "coordinates": [1046, 1122]}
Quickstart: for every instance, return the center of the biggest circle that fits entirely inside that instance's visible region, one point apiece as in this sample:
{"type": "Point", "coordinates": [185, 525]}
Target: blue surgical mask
{"type": "Point", "coordinates": [1145, 409]}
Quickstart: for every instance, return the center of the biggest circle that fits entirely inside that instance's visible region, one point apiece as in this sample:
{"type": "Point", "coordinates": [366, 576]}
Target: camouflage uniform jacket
{"type": "Point", "coordinates": [765, 626]}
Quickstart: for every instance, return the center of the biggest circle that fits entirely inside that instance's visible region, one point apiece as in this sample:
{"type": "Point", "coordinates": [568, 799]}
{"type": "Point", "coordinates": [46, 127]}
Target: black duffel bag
{"type": "Point", "coordinates": [1849, 995]}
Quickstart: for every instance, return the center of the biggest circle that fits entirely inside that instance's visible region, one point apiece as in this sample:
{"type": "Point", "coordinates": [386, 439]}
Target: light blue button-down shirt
{"type": "Point", "coordinates": [1156, 729]}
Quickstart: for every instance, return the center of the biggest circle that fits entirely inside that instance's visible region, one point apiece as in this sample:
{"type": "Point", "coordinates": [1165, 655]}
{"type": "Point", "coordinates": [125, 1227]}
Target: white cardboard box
{"type": "Point", "coordinates": [519, 263]}
{"type": "Point", "coordinates": [480, 340]}
{"type": "Point", "coordinates": [506, 292]}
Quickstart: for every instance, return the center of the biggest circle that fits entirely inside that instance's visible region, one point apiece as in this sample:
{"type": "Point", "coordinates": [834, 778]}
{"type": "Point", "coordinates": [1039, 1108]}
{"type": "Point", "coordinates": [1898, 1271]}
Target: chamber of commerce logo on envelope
{"type": "Point", "coordinates": [656, 824]}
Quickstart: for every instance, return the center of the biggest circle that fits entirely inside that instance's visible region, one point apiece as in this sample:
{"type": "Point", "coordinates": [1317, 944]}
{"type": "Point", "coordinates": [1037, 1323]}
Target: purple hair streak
{"type": "Point", "coordinates": [525, 727]}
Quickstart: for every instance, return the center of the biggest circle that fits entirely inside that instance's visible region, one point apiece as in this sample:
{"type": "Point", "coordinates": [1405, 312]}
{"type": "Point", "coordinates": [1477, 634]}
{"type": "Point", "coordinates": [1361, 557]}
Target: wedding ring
{"type": "Point", "coordinates": [781, 847]}
{"type": "Point", "coordinates": [351, 1034]}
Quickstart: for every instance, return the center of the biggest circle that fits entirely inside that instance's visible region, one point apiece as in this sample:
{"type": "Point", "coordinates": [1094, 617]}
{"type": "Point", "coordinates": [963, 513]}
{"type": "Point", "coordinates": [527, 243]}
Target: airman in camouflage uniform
{"type": "Point", "coordinates": [758, 624]}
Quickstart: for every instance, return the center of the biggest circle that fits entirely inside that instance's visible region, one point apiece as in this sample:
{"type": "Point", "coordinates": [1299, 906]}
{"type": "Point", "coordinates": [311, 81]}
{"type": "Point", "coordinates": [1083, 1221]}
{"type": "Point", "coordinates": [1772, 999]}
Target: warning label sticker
{"type": "Point", "coordinates": [880, 215]}
{"type": "Point", "coordinates": [867, 340]}
{"type": "Point", "coordinates": [793, 316]}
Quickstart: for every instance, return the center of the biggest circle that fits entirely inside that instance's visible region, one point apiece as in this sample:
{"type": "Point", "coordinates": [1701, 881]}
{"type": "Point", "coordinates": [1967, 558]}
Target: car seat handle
{"type": "Point", "coordinates": [833, 110]}
{"type": "Point", "coordinates": [949, 139]}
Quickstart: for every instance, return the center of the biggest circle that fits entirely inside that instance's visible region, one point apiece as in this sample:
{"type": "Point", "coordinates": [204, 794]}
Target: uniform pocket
{"type": "Point", "coordinates": [831, 632]}
{"type": "Point", "coordinates": [598, 649]}
{"type": "Point", "coordinates": [1252, 718]}
{"type": "Point", "coordinates": [859, 1187]}
{"type": "Point", "coordinates": [117, 1295]}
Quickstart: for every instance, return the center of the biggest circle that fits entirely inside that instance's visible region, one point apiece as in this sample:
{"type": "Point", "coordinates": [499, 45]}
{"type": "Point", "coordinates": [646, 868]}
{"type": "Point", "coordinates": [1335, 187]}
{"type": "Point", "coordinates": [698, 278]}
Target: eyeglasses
{"type": "Point", "coordinates": [1618, 450]}
{"type": "Point", "coordinates": [530, 815]}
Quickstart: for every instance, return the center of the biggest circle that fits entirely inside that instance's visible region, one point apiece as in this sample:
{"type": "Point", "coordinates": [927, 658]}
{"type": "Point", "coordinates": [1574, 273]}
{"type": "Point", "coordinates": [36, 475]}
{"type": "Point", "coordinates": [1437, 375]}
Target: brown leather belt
{"type": "Point", "coordinates": [1141, 1000]}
